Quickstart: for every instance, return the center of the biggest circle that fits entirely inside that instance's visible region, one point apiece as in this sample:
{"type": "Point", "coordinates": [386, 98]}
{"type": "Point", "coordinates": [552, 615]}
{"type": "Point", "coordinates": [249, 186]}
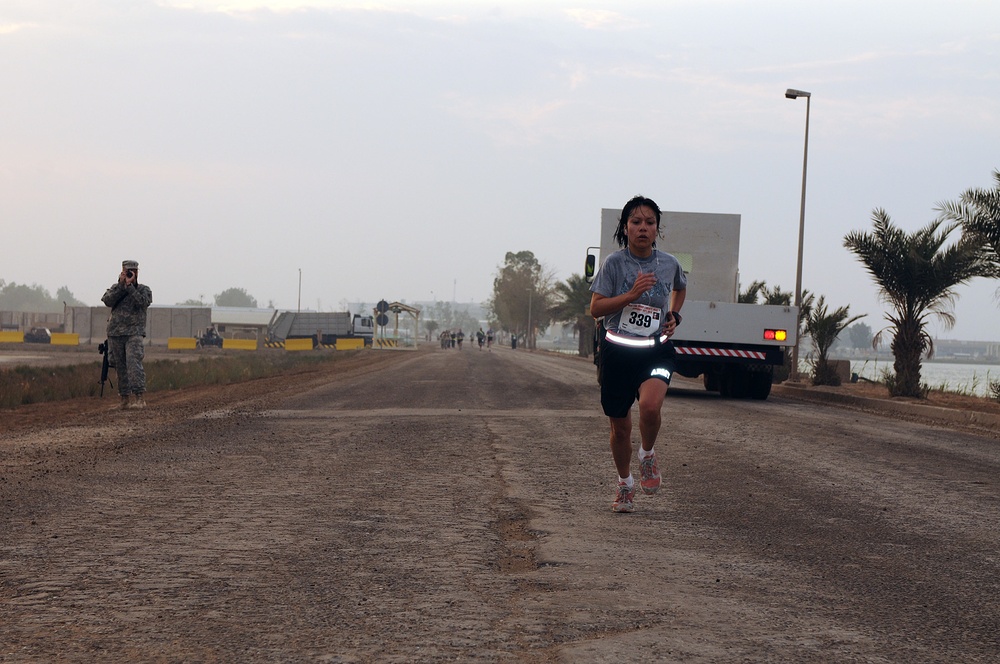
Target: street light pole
{"type": "Point", "coordinates": [791, 93]}
{"type": "Point", "coordinates": [299, 309]}
{"type": "Point", "coordinates": [530, 290]}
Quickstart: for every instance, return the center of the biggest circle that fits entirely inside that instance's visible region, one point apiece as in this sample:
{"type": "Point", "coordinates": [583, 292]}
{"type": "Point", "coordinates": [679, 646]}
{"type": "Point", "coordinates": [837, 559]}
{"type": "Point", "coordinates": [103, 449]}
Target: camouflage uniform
{"type": "Point", "coordinates": [126, 331]}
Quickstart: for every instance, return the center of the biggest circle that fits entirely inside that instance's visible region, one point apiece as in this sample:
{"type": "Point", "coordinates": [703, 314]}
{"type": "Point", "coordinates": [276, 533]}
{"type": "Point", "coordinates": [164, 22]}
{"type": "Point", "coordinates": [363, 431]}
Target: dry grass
{"type": "Point", "coordinates": [935, 397]}
{"type": "Point", "coordinates": [23, 384]}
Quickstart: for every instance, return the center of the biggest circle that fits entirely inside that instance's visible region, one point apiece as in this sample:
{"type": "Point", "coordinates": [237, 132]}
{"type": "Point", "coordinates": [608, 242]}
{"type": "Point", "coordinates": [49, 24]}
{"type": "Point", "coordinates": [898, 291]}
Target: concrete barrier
{"type": "Point", "coordinates": [350, 344]}
{"type": "Point", "coordinates": [239, 344]}
{"type": "Point", "coordinates": [11, 337]}
{"type": "Point", "coordinates": [182, 343]}
{"type": "Point", "coordinates": [65, 339]}
{"type": "Point", "coordinates": [843, 369]}
{"type": "Point", "coordinates": [298, 344]}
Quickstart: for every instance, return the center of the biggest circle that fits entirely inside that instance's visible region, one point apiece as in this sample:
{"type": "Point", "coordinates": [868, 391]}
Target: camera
{"type": "Point", "coordinates": [129, 273]}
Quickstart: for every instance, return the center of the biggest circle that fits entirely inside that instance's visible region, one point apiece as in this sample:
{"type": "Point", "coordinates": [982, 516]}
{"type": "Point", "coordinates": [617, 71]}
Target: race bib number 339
{"type": "Point", "coordinates": [640, 319]}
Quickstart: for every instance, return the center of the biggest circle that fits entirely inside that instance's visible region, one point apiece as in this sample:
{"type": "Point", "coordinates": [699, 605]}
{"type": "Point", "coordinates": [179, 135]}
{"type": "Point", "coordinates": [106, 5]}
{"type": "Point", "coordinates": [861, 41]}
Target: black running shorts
{"type": "Point", "coordinates": [624, 369]}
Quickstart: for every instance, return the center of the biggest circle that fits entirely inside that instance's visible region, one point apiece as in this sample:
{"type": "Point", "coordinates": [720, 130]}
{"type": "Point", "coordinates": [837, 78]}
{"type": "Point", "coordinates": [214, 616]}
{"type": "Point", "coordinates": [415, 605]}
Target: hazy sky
{"type": "Point", "coordinates": [399, 149]}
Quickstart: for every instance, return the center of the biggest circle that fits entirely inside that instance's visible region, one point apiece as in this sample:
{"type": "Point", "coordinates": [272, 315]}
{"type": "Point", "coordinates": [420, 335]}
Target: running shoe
{"type": "Point", "coordinates": [649, 474]}
{"type": "Point", "coordinates": [624, 497]}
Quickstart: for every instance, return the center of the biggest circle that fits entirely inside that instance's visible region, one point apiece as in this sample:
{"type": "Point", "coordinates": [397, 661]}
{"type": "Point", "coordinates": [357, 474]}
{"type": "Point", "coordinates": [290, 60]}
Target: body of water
{"type": "Point", "coordinates": [952, 376]}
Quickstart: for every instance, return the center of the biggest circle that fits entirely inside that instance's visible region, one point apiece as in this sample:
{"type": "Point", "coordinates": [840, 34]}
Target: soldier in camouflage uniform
{"type": "Point", "coordinates": [128, 300]}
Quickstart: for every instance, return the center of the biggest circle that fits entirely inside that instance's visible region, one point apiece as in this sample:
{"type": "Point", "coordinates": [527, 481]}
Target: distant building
{"type": "Point", "coordinates": [165, 321]}
{"type": "Point", "coordinates": [954, 349]}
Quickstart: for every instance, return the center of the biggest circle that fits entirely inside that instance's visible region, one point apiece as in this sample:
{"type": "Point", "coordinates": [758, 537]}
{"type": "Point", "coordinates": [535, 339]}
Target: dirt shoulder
{"type": "Point", "coordinates": [949, 409]}
{"type": "Point", "coordinates": [169, 406]}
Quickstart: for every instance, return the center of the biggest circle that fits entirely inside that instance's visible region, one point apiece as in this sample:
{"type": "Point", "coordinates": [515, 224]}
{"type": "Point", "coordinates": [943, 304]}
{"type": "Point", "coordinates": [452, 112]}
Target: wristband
{"type": "Point", "coordinates": [677, 317]}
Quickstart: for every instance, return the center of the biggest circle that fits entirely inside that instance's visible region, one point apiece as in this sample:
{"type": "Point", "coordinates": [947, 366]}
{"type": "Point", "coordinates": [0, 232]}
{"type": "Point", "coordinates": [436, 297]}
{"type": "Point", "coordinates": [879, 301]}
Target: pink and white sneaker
{"type": "Point", "coordinates": [649, 474]}
{"type": "Point", "coordinates": [624, 498]}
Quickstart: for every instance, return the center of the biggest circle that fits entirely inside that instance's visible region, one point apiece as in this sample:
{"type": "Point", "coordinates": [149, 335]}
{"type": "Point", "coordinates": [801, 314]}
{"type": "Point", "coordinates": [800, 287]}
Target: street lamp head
{"type": "Point", "coordinates": [792, 93]}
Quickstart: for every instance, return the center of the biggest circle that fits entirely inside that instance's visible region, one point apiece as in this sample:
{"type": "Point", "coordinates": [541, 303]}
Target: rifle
{"type": "Point", "coordinates": [103, 349]}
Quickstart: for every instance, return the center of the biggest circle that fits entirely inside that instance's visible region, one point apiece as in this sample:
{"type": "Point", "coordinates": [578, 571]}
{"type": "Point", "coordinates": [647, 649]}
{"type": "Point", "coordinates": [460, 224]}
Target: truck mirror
{"type": "Point", "coordinates": [590, 268]}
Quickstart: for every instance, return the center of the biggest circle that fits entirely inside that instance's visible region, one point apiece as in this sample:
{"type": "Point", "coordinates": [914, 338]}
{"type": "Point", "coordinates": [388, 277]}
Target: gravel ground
{"type": "Point", "coordinates": [454, 506]}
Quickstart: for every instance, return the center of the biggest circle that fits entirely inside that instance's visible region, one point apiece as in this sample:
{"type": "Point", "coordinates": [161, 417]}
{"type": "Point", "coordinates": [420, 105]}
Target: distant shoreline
{"type": "Point", "coordinates": [990, 361]}
{"type": "Point", "coordinates": [993, 361]}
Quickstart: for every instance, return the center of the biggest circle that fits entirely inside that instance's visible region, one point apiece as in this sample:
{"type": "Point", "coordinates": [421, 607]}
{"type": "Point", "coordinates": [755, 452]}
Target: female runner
{"type": "Point", "coordinates": [639, 291]}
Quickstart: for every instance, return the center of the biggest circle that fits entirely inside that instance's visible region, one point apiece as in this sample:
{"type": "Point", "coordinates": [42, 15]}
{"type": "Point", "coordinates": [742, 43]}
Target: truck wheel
{"type": "Point", "coordinates": [735, 383]}
{"type": "Point", "coordinates": [760, 385]}
{"type": "Point", "coordinates": [711, 381]}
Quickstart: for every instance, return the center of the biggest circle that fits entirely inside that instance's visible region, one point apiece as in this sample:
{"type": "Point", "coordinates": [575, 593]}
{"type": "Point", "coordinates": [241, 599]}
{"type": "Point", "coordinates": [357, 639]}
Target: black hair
{"type": "Point", "coordinates": [636, 202]}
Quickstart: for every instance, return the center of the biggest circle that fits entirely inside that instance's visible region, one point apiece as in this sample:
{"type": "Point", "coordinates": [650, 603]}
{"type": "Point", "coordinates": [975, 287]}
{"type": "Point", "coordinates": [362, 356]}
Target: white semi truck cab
{"type": "Point", "coordinates": [733, 346]}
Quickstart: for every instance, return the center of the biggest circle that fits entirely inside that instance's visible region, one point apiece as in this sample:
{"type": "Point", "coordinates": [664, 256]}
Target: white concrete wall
{"type": "Point", "coordinates": [91, 323]}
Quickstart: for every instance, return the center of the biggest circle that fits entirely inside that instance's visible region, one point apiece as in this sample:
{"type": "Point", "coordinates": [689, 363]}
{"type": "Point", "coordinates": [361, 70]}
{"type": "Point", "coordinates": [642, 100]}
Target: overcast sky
{"type": "Point", "coordinates": [399, 149]}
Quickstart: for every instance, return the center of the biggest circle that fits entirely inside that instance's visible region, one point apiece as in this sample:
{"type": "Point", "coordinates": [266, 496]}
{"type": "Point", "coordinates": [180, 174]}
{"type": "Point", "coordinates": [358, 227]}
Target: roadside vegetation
{"type": "Point", "coordinates": [823, 327]}
{"type": "Point", "coordinates": [970, 389]}
{"type": "Point", "coordinates": [523, 296]}
{"type": "Point", "coordinates": [572, 305]}
{"type": "Point", "coordinates": [25, 385]}
{"type": "Point", "coordinates": [916, 274]}
{"type": "Point", "coordinates": [22, 297]}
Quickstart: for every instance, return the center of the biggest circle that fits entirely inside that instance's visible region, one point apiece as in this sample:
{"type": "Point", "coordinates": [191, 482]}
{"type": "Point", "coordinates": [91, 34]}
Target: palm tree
{"type": "Point", "coordinates": [916, 275]}
{"type": "Point", "coordinates": [572, 307]}
{"type": "Point", "coordinates": [749, 296]}
{"type": "Point", "coordinates": [978, 210]}
{"type": "Point", "coordinates": [777, 296]}
{"type": "Point", "coordinates": [823, 328]}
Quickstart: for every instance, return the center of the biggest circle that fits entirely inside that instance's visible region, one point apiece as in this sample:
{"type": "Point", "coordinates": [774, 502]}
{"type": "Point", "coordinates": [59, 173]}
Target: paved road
{"type": "Point", "coordinates": [454, 506]}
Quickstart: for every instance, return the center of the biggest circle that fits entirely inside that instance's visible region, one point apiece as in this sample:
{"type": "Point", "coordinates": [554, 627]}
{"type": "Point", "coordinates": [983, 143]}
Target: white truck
{"type": "Point", "coordinates": [324, 328]}
{"type": "Point", "coordinates": [733, 346]}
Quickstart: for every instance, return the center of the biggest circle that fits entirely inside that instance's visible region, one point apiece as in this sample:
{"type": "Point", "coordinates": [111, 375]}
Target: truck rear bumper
{"type": "Point", "coordinates": [725, 353]}
{"type": "Point", "coordinates": [695, 359]}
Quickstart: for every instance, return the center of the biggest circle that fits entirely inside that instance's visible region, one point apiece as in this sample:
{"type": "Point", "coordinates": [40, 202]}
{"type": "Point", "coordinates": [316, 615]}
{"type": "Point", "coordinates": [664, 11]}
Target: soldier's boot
{"type": "Point", "coordinates": [125, 403]}
{"type": "Point", "coordinates": [138, 401]}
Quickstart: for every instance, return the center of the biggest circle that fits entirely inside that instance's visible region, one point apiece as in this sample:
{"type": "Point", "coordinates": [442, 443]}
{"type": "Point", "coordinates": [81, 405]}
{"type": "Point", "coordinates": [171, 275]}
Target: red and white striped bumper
{"type": "Point", "coordinates": [721, 352]}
